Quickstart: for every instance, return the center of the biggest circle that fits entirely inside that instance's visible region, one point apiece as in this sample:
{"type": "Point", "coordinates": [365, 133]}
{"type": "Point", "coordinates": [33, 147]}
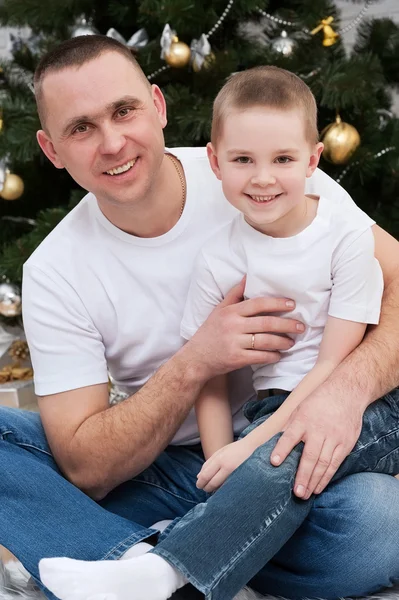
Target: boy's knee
{"type": "Point", "coordinates": [261, 460]}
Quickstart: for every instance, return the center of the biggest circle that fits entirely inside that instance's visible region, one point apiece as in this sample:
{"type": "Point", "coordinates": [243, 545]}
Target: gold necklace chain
{"type": "Point", "coordinates": [178, 168]}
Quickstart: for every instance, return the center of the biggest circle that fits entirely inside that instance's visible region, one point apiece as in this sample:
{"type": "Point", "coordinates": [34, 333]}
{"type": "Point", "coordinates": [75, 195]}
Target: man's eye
{"type": "Point", "coordinates": [123, 112]}
{"type": "Point", "coordinates": [80, 129]}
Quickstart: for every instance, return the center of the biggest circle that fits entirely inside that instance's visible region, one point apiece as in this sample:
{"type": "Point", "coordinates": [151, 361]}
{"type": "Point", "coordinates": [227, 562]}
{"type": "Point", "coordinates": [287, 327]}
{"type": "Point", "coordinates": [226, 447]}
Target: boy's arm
{"type": "Point", "coordinates": [329, 421]}
{"type": "Point", "coordinates": [339, 339]}
{"type": "Point", "coordinates": [214, 418]}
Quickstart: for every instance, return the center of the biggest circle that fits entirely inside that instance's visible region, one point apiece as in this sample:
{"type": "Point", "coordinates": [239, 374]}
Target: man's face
{"type": "Point", "coordinates": [104, 126]}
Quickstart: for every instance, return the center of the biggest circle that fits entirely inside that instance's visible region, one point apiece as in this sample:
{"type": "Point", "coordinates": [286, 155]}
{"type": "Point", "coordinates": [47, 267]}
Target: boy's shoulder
{"type": "Point", "coordinates": [225, 241]}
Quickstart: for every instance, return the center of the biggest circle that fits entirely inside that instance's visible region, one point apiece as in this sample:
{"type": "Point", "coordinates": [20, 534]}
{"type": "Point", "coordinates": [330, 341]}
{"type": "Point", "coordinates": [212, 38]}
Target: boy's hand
{"type": "Point", "coordinates": [220, 465]}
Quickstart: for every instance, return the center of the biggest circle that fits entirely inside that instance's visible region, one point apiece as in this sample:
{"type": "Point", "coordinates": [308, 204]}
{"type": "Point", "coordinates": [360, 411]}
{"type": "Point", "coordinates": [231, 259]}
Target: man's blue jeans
{"type": "Point", "coordinates": [346, 546]}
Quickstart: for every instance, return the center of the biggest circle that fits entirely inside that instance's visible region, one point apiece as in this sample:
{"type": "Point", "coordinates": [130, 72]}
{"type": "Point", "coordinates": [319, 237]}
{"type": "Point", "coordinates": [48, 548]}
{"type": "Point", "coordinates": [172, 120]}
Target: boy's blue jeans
{"type": "Point", "coordinates": [346, 545]}
{"type": "Point", "coordinates": [223, 543]}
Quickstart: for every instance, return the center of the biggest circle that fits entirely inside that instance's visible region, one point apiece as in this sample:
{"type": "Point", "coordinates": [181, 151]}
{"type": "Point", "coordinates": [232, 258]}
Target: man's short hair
{"type": "Point", "coordinates": [268, 87]}
{"type": "Point", "coordinates": [75, 53]}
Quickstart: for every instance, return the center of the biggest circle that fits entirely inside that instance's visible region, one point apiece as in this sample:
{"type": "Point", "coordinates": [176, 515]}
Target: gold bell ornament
{"type": "Point", "coordinates": [330, 36]}
{"type": "Point", "coordinates": [340, 141]}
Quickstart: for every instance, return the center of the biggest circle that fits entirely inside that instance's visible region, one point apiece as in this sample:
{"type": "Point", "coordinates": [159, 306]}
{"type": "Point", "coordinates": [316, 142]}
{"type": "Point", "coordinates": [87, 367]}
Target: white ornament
{"type": "Point", "coordinates": [284, 44]}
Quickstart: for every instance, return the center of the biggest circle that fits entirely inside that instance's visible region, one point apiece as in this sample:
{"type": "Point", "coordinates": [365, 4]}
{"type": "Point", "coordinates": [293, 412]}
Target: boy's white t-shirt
{"type": "Point", "coordinates": [329, 268]}
{"type": "Point", "coordinates": [97, 298]}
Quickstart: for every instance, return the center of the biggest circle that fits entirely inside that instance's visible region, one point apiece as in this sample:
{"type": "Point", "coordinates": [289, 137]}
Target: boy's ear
{"type": "Point", "coordinates": [213, 160]}
{"type": "Point", "coordinates": [314, 158]}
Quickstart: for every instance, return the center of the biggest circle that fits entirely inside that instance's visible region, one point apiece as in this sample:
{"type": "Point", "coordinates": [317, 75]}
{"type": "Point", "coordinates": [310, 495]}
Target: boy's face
{"type": "Point", "coordinates": [263, 159]}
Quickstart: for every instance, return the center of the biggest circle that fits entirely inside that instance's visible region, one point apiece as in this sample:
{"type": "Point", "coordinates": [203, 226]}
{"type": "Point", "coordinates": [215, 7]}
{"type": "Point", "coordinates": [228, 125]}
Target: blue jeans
{"type": "Point", "coordinates": [254, 517]}
{"type": "Point", "coordinates": [346, 545]}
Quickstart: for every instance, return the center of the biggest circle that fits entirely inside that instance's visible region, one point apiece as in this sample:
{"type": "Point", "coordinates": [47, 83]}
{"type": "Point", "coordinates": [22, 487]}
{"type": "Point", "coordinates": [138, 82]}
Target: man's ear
{"type": "Point", "coordinates": [213, 159]}
{"type": "Point", "coordinates": [314, 159]}
{"type": "Point", "coordinates": [160, 104]}
{"type": "Point", "coordinates": [47, 146]}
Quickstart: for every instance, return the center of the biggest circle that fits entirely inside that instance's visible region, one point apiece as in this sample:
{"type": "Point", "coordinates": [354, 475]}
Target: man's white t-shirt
{"type": "Point", "coordinates": [98, 299]}
{"type": "Point", "coordinates": [329, 268]}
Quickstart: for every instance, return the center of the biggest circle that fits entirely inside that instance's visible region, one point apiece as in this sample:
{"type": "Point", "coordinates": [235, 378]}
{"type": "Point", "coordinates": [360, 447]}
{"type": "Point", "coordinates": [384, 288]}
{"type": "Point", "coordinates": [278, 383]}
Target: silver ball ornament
{"type": "Point", "coordinates": [10, 300]}
{"type": "Point", "coordinates": [284, 44]}
{"type": "Point", "coordinates": [83, 26]}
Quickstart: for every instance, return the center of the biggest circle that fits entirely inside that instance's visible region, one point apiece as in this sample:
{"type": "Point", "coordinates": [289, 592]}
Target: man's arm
{"type": "Point", "coordinates": [333, 414]}
{"type": "Point", "coordinates": [98, 447]}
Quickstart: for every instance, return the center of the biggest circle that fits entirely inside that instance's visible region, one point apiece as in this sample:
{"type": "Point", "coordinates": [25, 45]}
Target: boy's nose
{"type": "Point", "coordinates": [263, 179]}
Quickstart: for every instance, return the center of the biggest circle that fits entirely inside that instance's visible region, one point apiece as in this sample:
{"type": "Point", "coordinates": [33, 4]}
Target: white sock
{"type": "Point", "coordinates": [137, 550]}
{"type": "Point", "coordinates": [144, 547]}
{"type": "Point", "coordinates": [161, 525]}
{"type": "Point", "coordinates": [146, 577]}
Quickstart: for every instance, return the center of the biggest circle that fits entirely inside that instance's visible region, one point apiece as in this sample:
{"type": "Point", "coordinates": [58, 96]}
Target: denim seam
{"type": "Point", "coordinates": [160, 487]}
{"type": "Point", "coordinates": [277, 513]}
{"type": "Point", "coordinates": [385, 456]}
{"type": "Point", "coordinates": [24, 444]}
{"type": "Point", "coordinates": [383, 437]}
{"type": "Point", "coordinates": [176, 563]}
{"type": "Point", "coordinates": [204, 589]}
{"type": "Point", "coordinates": [117, 551]}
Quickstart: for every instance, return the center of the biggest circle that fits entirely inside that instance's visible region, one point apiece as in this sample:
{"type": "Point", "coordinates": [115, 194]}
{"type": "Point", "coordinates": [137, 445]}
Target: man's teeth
{"type": "Point", "coordinates": [121, 169]}
{"type": "Point", "coordinates": [263, 198]}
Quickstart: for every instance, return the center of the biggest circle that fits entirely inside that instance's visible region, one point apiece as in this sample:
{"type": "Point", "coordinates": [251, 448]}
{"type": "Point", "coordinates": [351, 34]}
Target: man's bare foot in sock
{"type": "Point", "coordinates": [146, 577]}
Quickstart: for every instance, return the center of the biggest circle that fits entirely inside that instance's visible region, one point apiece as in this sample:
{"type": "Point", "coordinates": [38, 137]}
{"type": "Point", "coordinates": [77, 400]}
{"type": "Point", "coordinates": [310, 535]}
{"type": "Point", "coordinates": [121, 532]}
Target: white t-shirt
{"type": "Point", "coordinates": [329, 268]}
{"type": "Point", "coordinates": [97, 298]}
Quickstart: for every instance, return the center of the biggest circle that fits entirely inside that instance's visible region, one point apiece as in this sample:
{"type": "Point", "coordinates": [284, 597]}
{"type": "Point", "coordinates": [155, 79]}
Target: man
{"type": "Point", "coordinates": [107, 289]}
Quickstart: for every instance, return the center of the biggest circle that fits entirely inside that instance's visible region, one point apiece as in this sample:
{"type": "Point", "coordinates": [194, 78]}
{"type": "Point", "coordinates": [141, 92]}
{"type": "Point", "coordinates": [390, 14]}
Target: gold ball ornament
{"type": "Point", "coordinates": [179, 54]}
{"type": "Point", "coordinates": [340, 141]}
{"type": "Point", "coordinates": [13, 187]}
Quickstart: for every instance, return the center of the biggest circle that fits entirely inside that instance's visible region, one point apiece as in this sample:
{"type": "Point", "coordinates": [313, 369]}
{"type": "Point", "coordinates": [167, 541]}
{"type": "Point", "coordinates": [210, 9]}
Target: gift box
{"type": "Point", "coordinates": [18, 394]}
{"type": "Point", "coordinates": [16, 377]}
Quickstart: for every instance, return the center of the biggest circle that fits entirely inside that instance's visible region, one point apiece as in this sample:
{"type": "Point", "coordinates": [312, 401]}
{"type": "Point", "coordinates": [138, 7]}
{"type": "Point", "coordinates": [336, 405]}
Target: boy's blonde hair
{"type": "Point", "coordinates": [268, 87]}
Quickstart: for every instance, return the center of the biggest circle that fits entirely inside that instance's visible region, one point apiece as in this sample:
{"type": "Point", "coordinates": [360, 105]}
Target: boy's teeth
{"type": "Point", "coordinates": [121, 169]}
{"type": "Point", "coordinates": [263, 198]}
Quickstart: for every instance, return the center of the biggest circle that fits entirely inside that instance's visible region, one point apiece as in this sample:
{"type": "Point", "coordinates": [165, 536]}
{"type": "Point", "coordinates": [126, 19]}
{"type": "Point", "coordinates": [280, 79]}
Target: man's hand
{"type": "Point", "coordinates": [222, 463]}
{"type": "Point", "coordinates": [329, 429]}
{"type": "Point", "coordinates": [236, 334]}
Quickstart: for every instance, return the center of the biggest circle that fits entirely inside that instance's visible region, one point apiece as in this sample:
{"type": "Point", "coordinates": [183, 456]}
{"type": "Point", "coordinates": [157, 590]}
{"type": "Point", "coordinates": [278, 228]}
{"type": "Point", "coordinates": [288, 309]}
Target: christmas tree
{"type": "Point", "coordinates": [189, 49]}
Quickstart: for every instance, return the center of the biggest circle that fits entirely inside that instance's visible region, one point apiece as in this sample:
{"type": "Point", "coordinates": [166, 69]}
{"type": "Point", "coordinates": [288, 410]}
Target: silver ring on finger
{"type": "Point", "coordinates": [253, 341]}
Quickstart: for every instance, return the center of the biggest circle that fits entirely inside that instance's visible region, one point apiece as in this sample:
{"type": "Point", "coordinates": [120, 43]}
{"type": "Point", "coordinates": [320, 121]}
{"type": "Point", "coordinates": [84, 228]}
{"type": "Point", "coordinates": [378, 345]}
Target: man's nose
{"type": "Point", "coordinates": [112, 140]}
{"type": "Point", "coordinates": [263, 178]}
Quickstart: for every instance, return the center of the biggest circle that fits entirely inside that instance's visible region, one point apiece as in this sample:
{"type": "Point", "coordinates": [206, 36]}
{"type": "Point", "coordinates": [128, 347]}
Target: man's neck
{"type": "Point", "coordinates": [155, 214]}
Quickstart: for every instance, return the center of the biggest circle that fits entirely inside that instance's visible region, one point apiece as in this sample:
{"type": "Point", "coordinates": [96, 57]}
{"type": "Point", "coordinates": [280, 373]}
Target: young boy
{"type": "Point", "coordinates": [264, 146]}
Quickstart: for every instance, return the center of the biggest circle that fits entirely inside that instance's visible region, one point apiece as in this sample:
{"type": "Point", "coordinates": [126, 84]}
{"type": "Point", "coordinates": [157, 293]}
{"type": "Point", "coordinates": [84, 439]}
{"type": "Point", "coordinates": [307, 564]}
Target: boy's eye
{"type": "Point", "coordinates": [242, 159]}
{"type": "Point", "coordinates": [283, 159]}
